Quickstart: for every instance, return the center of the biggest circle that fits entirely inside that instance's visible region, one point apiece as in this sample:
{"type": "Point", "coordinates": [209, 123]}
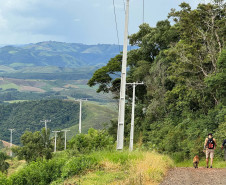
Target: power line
{"type": "Point", "coordinates": [80, 115]}
{"type": "Point", "coordinates": [143, 11]}
{"type": "Point", "coordinates": [55, 139]}
{"type": "Point", "coordinates": [116, 24]}
{"type": "Point", "coordinates": [45, 121]}
{"type": "Point", "coordinates": [65, 138]}
{"type": "Point", "coordinates": [134, 84]}
{"type": "Point", "coordinates": [11, 141]}
{"type": "Point", "coordinates": [121, 117]}
{"type": "Point", "coordinates": [124, 4]}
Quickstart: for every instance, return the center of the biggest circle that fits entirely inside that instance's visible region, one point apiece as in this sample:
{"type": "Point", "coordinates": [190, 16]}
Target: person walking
{"type": "Point", "coordinates": [224, 146]}
{"type": "Point", "coordinates": [210, 145]}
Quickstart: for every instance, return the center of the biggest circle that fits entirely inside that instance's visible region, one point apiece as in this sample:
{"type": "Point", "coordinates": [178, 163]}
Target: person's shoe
{"type": "Point", "coordinates": [211, 167]}
{"type": "Point", "coordinates": [207, 166]}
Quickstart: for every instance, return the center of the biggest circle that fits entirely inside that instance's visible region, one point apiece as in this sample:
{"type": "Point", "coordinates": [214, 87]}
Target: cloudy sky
{"type": "Point", "coordinates": [78, 21]}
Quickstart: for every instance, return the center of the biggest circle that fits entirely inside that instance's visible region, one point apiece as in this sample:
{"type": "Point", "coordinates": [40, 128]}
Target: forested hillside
{"type": "Point", "coordinates": [63, 114]}
{"type": "Point", "coordinates": [183, 66]}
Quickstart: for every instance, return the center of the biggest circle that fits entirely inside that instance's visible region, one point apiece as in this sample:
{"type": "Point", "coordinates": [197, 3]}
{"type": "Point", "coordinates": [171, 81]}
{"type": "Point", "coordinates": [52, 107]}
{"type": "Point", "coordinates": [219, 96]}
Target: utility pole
{"type": "Point", "coordinates": [65, 138]}
{"type": "Point", "coordinates": [11, 141]}
{"type": "Point", "coordinates": [55, 139]}
{"type": "Point", "coordinates": [45, 121]}
{"type": "Point", "coordinates": [121, 116]}
{"type": "Point", "coordinates": [80, 115]}
{"type": "Point", "coordinates": [132, 115]}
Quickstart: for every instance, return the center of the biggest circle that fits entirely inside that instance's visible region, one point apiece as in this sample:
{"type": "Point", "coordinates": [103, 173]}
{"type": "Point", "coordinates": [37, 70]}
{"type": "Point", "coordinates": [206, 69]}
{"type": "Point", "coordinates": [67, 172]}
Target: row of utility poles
{"type": "Point", "coordinates": [55, 132]}
{"type": "Point", "coordinates": [121, 115]}
{"type": "Point", "coordinates": [65, 139]}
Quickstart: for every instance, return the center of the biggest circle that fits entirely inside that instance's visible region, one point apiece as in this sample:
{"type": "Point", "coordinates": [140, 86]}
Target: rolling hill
{"type": "Point", "coordinates": [51, 53]}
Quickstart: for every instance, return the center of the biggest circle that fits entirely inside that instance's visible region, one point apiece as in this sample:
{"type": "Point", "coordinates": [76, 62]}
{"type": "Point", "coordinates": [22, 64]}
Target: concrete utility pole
{"type": "Point", "coordinates": [132, 115]}
{"type": "Point", "coordinates": [65, 138]}
{"type": "Point", "coordinates": [80, 115]}
{"type": "Point", "coordinates": [45, 121]}
{"type": "Point", "coordinates": [121, 116]}
{"type": "Point", "coordinates": [55, 139]}
{"type": "Point", "coordinates": [11, 141]}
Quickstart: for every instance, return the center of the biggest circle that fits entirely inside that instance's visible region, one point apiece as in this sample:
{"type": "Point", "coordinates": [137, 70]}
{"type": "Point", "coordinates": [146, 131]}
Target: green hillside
{"type": "Point", "coordinates": [58, 54]}
{"type": "Point", "coordinates": [63, 114]}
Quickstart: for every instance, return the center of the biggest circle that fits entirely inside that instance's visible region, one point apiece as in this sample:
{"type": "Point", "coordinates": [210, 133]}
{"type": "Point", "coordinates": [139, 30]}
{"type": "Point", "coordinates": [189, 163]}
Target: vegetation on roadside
{"type": "Point", "coordinates": [102, 167]}
{"type": "Point", "coordinates": [4, 165]}
{"type": "Point", "coordinates": [183, 69]}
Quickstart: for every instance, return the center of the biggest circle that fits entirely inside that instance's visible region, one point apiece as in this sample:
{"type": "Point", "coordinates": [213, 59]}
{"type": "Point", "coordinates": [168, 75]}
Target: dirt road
{"type": "Point", "coordinates": [192, 176]}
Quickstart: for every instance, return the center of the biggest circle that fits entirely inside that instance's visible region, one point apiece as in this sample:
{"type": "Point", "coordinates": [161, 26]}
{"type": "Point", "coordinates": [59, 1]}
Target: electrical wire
{"type": "Point", "coordinates": [116, 24]}
{"type": "Point", "coordinates": [143, 11]}
{"type": "Point", "coordinates": [124, 4]}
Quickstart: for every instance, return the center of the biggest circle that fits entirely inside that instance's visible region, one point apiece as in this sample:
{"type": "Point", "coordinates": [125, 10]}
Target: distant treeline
{"type": "Point", "coordinates": [50, 76]}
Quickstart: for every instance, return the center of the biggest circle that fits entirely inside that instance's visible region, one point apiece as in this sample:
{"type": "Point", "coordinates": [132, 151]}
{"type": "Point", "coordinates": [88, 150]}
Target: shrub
{"type": "Point", "coordinates": [3, 179]}
{"type": "Point", "coordinates": [77, 165]}
{"type": "Point", "coordinates": [94, 140]}
{"type": "Point", "coordinates": [40, 172]}
{"type": "Point", "coordinates": [3, 164]}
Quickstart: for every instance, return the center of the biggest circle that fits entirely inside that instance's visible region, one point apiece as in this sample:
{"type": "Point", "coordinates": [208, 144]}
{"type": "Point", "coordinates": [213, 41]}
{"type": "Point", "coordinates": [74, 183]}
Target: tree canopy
{"type": "Point", "coordinates": [183, 68]}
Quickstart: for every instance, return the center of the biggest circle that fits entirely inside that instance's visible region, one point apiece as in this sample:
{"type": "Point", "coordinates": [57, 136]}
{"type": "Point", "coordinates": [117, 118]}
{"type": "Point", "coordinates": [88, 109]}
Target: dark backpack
{"type": "Point", "coordinates": [210, 143]}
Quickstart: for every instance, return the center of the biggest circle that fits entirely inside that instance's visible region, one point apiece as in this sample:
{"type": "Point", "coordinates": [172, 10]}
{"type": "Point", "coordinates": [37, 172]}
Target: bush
{"type": "Point", "coordinates": [40, 172]}
{"type": "Point", "coordinates": [3, 164]}
{"type": "Point", "coordinates": [3, 179]}
{"type": "Point", "coordinates": [77, 165]}
{"type": "Point", "coordinates": [94, 140]}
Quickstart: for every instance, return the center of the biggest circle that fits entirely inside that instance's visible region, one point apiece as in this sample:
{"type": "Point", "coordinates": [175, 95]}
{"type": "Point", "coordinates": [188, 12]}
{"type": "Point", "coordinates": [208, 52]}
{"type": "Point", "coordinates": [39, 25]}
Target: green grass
{"type": "Point", "coordinates": [9, 86]}
{"type": "Point", "coordinates": [15, 165]}
{"type": "Point", "coordinates": [217, 163]}
{"type": "Point", "coordinates": [15, 101]}
{"type": "Point", "coordinates": [125, 168]}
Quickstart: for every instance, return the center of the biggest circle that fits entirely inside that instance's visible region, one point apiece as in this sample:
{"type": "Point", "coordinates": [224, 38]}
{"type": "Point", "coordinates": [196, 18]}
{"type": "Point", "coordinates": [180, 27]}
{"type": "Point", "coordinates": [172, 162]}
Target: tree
{"type": "Point", "coordinates": [35, 145]}
{"type": "Point", "coordinates": [3, 164]}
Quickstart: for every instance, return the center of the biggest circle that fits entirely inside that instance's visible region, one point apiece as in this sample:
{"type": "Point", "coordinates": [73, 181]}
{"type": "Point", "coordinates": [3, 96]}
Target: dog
{"type": "Point", "coordinates": [196, 161]}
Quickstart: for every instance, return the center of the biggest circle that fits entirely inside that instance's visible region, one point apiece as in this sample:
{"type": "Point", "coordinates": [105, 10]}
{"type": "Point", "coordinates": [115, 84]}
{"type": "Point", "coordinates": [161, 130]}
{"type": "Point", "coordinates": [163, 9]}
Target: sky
{"type": "Point", "coordinates": [77, 21]}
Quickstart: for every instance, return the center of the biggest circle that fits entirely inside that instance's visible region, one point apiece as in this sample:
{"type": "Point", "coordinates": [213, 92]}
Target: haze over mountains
{"type": "Point", "coordinates": [57, 54]}
{"type": "Point", "coordinates": [53, 57]}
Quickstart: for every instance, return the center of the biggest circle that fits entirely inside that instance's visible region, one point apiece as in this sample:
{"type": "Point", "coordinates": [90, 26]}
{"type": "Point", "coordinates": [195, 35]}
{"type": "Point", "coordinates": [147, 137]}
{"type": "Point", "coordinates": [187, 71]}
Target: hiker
{"type": "Point", "coordinates": [210, 146]}
{"type": "Point", "coordinates": [224, 146]}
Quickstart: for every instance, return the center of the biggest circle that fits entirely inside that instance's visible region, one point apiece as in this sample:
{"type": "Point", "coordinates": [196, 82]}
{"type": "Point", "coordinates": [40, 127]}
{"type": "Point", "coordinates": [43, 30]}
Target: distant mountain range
{"type": "Point", "coordinates": [54, 60]}
{"type": "Point", "coordinates": [51, 53]}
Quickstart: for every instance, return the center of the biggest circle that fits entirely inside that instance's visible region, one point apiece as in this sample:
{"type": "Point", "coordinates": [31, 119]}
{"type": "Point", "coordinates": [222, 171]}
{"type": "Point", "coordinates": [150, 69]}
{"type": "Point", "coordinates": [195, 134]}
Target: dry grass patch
{"type": "Point", "coordinates": [141, 168]}
{"type": "Point", "coordinates": [15, 165]}
{"type": "Point", "coordinates": [150, 170]}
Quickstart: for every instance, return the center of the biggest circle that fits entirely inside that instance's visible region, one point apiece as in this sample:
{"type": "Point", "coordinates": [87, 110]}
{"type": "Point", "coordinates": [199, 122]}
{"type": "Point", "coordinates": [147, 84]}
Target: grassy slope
{"type": "Point", "coordinates": [97, 116]}
{"type": "Point", "coordinates": [126, 168]}
{"type": "Point", "coordinates": [15, 165]}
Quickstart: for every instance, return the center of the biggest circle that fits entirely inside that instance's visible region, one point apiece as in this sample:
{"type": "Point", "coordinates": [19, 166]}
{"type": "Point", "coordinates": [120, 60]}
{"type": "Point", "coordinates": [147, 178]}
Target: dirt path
{"type": "Point", "coordinates": [192, 176]}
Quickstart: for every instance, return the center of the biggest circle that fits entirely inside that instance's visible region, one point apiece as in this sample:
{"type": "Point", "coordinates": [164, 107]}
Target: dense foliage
{"type": "Point", "coordinates": [27, 115]}
{"type": "Point", "coordinates": [183, 68]}
{"type": "Point", "coordinates": [94, 140]}
{"type": "Point", "coordinates": [43, 169]}
{"type": "Point", "coordinates": [3, 164]}
{"type": "Point", "coordinates": [36, 146]}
